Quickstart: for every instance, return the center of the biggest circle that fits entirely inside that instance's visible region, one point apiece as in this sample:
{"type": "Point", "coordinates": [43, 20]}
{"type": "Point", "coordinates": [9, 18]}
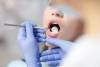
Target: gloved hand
{"type": "Point", "coordinates": [63, 44]}
{"type": "Point", "coordinates": [52, 57]}
{"type": "Point", "coordinates": [29, 39]}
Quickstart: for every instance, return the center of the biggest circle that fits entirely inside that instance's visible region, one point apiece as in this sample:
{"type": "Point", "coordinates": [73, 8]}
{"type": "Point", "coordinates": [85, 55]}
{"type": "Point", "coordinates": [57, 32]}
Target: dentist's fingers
{"type": "Point", "coordinates": [40, 40]}
{"type": "Point", "coordinates": [29, 30]}
{"type": "Point", "coordinates": [50, 52]}
{"type": "Point", "coordinates": [50, 57]}
{"type": "Point", "coordinates": [39, 30]}
{"type": "Point", "coordinates": [40, 35]}
{"type": "Point", "coordinates": [53, 63]}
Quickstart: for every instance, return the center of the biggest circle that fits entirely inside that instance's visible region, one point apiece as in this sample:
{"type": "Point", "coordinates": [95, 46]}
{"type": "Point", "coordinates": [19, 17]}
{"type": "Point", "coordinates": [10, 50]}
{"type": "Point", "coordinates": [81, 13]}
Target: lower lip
{"type": "Point", "coordinates": [53, 35]}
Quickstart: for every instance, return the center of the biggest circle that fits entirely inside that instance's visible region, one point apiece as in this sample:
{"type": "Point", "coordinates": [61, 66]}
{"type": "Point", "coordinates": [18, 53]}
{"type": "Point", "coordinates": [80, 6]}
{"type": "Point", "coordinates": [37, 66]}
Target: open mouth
{"type": "Point", "coordinates": [54, 27]}
{"type": "Point", "coordinates": [53, 31]}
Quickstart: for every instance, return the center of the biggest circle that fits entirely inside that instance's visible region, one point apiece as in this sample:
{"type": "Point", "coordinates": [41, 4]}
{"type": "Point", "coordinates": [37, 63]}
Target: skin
{"type": "Point", "coordinates": [70, 26]}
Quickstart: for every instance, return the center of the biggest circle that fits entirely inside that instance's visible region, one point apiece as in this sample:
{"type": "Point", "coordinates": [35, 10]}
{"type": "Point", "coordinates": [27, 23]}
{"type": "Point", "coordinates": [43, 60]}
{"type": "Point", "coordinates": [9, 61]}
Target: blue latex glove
{"type": "Point", "coordinates": [63, 44]}
{"type": "Point", "coordinates": [52, 57]}
{"type": "Point", "coordinates": [29, 39]}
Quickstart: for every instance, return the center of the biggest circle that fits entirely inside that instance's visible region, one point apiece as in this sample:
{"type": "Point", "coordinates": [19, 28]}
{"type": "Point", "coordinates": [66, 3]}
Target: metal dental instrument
{"type": "Point", "coordinates": [16, 25]}
{"type": "Point", "coordinates": [6, 24]}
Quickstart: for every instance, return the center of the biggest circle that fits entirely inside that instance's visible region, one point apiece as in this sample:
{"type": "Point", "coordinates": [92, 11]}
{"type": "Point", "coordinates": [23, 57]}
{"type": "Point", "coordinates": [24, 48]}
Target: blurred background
{"type": "Point", "coordinates": [17, 11]}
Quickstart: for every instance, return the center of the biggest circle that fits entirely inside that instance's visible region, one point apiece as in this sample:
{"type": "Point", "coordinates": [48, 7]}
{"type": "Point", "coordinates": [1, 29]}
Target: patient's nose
{"type": "Point", "coordinates": [58, 14]}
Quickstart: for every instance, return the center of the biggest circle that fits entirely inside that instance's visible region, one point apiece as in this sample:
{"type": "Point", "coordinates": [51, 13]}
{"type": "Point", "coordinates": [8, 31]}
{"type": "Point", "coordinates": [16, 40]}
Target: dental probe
{"type": "Point", "coordinates": [15, 25]}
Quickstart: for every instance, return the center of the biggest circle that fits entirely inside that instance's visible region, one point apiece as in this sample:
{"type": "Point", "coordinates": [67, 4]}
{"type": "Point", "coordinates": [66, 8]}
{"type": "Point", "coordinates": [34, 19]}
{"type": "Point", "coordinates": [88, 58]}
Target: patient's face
{"type": "Point", "coordinates": [60, 26]}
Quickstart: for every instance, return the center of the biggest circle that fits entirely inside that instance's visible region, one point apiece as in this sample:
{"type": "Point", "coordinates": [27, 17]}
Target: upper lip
{"type": "Point", "coordinates": [53, 22]}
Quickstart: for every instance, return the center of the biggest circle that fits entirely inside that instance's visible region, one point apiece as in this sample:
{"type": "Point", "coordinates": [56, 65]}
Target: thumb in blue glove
{"type": "Point", "coordinates": [63, 44]}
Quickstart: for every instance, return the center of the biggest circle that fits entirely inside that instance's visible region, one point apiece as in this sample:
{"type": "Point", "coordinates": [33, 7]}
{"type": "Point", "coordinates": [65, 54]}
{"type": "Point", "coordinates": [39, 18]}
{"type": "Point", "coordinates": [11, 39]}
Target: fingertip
{"type": "Point", "coordinates": [41, 35]}
{"type": "Point", "coordinates": [45, 53]}
{"type": "Point", "coordinates": [42, 59]}
{"type": "Point", "coordinates": [40, 30]}
{"type": "Point", "coordinates": [41, 39]}
{"type": "Point", "coordinates": [53, 63]}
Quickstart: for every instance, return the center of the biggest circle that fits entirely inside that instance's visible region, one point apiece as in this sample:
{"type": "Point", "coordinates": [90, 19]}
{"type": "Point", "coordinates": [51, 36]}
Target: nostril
{"type": "Point", "coordinates": [57, 14]}
{"type": "Point", "coordinates": [53, 14]}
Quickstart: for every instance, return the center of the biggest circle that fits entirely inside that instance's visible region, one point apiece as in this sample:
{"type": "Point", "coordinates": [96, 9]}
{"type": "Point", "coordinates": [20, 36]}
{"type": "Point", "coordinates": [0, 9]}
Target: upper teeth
{"type": "Point", "coordinates": [54, 29]}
